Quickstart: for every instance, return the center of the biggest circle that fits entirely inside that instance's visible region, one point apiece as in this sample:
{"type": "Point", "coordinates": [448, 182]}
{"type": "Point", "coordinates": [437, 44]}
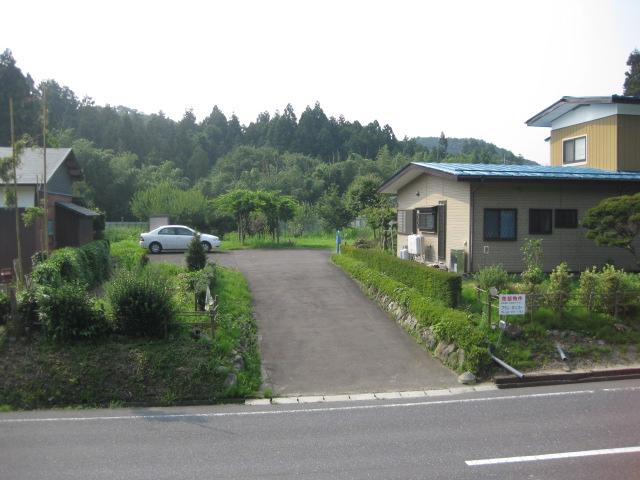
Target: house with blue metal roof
{"type": "Point", "coordinates": [464, 217]}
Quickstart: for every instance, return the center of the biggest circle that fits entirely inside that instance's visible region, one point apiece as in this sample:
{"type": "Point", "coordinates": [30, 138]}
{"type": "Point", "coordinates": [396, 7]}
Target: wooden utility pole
{"type": "Point", "coordinates": [15, 192]}
{"type": "Point", "coordinates": [45, 200]}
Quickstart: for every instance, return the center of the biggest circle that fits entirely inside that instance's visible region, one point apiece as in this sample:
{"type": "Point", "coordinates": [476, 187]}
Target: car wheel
{"type": "Point", "coordinates": [206, 246]}
{"type": "Point", "coordinates": [155, 247]}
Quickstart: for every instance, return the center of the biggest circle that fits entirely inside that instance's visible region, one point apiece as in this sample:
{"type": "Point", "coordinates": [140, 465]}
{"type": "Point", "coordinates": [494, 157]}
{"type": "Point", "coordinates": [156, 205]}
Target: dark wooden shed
{"type": "Point", "coordinates": [74, 225]}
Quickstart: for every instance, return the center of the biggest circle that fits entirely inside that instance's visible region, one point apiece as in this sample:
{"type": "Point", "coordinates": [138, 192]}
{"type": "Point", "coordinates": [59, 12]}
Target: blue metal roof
{"type": "Point", "coordinates": [543, 172]}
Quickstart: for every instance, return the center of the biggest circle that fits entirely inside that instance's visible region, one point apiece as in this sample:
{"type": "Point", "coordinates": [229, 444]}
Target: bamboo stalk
{"type": "Point", "coordinates": [45, 201]}
{"type": "Point", "coordinates": [19, 269]}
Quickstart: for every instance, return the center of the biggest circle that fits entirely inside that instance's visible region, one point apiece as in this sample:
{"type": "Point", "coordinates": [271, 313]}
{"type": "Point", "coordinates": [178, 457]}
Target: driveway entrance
{"type": "Point", "coordinates": [320, 334]}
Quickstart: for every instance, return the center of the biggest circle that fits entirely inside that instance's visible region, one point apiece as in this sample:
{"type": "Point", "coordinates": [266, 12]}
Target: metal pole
{"type": "Point", "coordinates": [506, 366]}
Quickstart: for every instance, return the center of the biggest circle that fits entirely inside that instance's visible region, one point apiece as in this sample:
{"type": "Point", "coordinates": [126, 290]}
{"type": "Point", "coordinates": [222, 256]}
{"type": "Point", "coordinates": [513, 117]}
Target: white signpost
{"type": "Point", "coordinates": [512, 304]}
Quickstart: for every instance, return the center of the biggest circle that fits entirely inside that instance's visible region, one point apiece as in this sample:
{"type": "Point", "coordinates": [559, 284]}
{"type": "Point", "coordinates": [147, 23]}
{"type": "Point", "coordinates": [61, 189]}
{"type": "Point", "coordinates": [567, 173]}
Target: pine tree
{"type": "Point", "coordinates": [196, 255]}
{"type": "Point", "coordinates": [632, 80]}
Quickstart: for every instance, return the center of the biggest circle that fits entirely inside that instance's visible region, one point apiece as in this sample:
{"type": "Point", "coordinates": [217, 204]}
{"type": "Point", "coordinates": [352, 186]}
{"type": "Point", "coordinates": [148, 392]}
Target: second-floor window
{"type": "Point", "coordinates": [574, 150]}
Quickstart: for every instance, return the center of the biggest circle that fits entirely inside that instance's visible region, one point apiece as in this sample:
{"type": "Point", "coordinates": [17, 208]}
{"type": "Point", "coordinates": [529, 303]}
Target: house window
{"type": "Point", "coordinates": [574, 150]}
{"type": "Point", "coordinates": [406, 222]}
{"type": "Point", "coordinates": [428, 219]}
{"type": "Point", "coordinates": [500, 224]}
{"type": "Point", "coordinates": [566, 218]}
{"type": "Point", "coordinates": [539, 221]}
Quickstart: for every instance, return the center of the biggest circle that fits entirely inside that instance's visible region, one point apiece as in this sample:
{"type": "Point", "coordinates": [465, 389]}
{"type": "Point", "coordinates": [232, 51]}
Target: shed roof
{"type": "Point", "coordinates": [478, 172]}
{"type": "Point", "coordinates": [30, 168]}
{"type": "Point", "coordinates": [85, 212]}
{"type": "Point", "coordinates": [566, 104]}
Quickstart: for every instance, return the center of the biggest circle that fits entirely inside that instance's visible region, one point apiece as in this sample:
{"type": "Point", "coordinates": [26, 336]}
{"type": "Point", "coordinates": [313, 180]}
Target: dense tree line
{"type": "Point", "coordinates": [312, 158]}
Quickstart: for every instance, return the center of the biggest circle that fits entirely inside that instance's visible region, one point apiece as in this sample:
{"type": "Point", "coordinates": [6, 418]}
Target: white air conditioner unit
{"type": "Point", "coordinates": [414, 244]}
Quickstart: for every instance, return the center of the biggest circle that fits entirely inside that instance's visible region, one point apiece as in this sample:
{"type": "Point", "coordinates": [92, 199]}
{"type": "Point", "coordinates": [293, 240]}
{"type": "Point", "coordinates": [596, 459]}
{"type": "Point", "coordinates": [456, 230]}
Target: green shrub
{"type": "Point", "coordinates": [449, 325]}
{"type": "Point", "coordinates": [196, 254]}
{"type": "Point", "coordinates": [128, 254]}
{"type": "Point", "coordinates": [492, 276]}
{"type": "Point", "coordinates": [98, 262]}
{"type": "Point", "coordinates": [142, 303]}
{"type": "Point", "coordinates": [610, 291]}
{"type": "Point", "coordinates": [198, 281]}
{"type": "Point", "coordinates": [27, 304]}
{"type": "Point", "coordinates": [619, 291]}
{"type": "Point", "coordinates": [435, 284]}
{"type": "Point", "coordinates": [67, 313]}
{"type": "Point", "coordinates": [5, 308]}
{"type": "Point", "coordinates": [588, 291]}
{"type": "Point", "coordinates": [559, 289]}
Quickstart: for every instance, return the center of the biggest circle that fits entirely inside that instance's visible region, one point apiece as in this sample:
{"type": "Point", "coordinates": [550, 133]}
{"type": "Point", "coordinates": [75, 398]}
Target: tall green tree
{"type": "Point", "coordinates": [442, 148]}
{"type": "Point", "coordinates": [333, 211]}
{"type": "Point", "coordinates": [188, 207]}
{"type": "Point", "coordinates": [26, 103]}
{"type": "Point", "coordinates": [276, 208]}
{"type": "Point", "coordinates": [237, 203]}
{"type": "Point", "coordinates": [363, 193]}
{"type": "Point", "coordinates": [615, 222]}
{"type": "Point", "coordinates": [632, 77]}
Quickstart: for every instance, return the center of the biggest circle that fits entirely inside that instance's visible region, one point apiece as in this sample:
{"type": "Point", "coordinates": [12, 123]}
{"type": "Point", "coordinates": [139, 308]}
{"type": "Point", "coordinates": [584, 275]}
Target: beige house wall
{"type": "Point", "coordinates": [602, 142]}
{"type": "Point", "coordinates": [568, 245]}
{"type": "Point", "coordinates": [433, 190]}
{"type": "Point", "coordinates": [413, 195]}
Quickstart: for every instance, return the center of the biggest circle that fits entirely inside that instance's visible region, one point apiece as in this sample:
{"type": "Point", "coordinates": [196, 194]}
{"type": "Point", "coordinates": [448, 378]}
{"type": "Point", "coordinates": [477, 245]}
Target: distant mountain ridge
{"type": "Point", "coordinates": [473, 150]}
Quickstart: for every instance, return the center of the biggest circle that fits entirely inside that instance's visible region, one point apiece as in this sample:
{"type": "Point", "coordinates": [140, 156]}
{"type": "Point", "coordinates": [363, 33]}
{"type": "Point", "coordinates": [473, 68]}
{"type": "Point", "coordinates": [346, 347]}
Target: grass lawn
{"type": "Point", "coordinates": [231, 242]}
{"type": "Point", "coordinates": [119, 371]}
{"type": "Point", "coordinates": [589, 339]}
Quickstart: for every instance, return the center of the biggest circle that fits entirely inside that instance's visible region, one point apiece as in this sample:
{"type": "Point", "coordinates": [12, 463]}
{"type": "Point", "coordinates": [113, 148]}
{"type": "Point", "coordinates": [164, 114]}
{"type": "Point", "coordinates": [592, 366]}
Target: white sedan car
{"type": "Point", "coordinates": [175, 237]}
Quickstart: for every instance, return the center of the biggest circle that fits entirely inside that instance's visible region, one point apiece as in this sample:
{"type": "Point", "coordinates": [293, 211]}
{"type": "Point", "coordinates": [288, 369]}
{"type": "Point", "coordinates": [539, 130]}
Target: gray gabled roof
{"type": "Point", "coordinates": [30, 168]}
{"type": "Point", "coordinates": [566, 104]}
{"type": "Point", "coordinates": [482, 171]}
{"type": "Point", "coordinates": [85, 212]}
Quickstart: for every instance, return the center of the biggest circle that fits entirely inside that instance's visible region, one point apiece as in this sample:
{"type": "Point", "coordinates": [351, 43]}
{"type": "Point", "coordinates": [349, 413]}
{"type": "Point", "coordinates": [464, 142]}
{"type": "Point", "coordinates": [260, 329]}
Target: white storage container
{"type": "Point", "coordinates": [404, 254]}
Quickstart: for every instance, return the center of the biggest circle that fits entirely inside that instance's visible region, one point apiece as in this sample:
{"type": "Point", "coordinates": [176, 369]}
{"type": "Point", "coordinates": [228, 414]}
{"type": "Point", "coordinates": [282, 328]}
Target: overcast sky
{"type": "Point", "coordinates": [468, 68]}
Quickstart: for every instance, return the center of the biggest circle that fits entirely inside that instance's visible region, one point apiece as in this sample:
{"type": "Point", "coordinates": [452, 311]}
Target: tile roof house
{"type": "Point", "coordinates": [473, 215]}
{"type": "Point", "coordinates": [68, 224]}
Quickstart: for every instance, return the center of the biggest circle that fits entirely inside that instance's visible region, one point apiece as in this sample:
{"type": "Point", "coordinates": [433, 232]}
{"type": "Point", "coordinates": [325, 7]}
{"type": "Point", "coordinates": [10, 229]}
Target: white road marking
{"type": "Point", "coordinates": [621, 389]}
{"type": "Point", "coordinates": [300, 410]}
{"type": "Point", "coordinates": [552, 456]}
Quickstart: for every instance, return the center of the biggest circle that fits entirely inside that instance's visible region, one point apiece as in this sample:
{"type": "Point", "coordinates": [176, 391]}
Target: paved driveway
{"type": "Point", "coordinates": [320, 334]}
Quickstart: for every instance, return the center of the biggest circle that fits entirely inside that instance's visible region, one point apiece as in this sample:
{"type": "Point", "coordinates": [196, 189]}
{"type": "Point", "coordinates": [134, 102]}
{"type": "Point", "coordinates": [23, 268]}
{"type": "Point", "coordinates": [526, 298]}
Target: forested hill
{"type": "Point", "coordinates": [474, 150]}
{"type": "Point", "coordinates": [124, 152]}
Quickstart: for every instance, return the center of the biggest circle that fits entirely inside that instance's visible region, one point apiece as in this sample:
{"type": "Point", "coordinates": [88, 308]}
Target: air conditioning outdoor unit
{"type": "Point", "coordinates": [414, 244]}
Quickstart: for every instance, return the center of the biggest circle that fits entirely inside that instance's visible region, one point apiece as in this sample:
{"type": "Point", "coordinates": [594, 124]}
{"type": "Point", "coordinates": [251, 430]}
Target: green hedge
{"type": "Point", "coordinates": [438, 285]}
{"type": "Point", "coordinates": [449, 325]}
{"type": "Point", "coordinates": [89, 264]}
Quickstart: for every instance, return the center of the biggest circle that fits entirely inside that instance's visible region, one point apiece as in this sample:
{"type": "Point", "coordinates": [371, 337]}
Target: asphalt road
{"type": "Point", "coordinates": [427, 438]}
{"type": "Point", "coordinates": [320, 334]}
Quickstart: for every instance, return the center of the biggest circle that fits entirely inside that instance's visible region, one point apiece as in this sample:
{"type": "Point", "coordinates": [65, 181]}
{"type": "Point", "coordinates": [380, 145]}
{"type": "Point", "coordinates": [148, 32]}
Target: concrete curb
{"type": "Point", "coordinates": [538, 380]}
{"type": "Point", "coordinates": [354, 397]}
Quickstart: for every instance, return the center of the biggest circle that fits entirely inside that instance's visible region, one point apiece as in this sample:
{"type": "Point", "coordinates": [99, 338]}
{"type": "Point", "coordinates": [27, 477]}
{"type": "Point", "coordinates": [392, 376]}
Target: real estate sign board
{"type": "Point", "coordinates": [512, 304]}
